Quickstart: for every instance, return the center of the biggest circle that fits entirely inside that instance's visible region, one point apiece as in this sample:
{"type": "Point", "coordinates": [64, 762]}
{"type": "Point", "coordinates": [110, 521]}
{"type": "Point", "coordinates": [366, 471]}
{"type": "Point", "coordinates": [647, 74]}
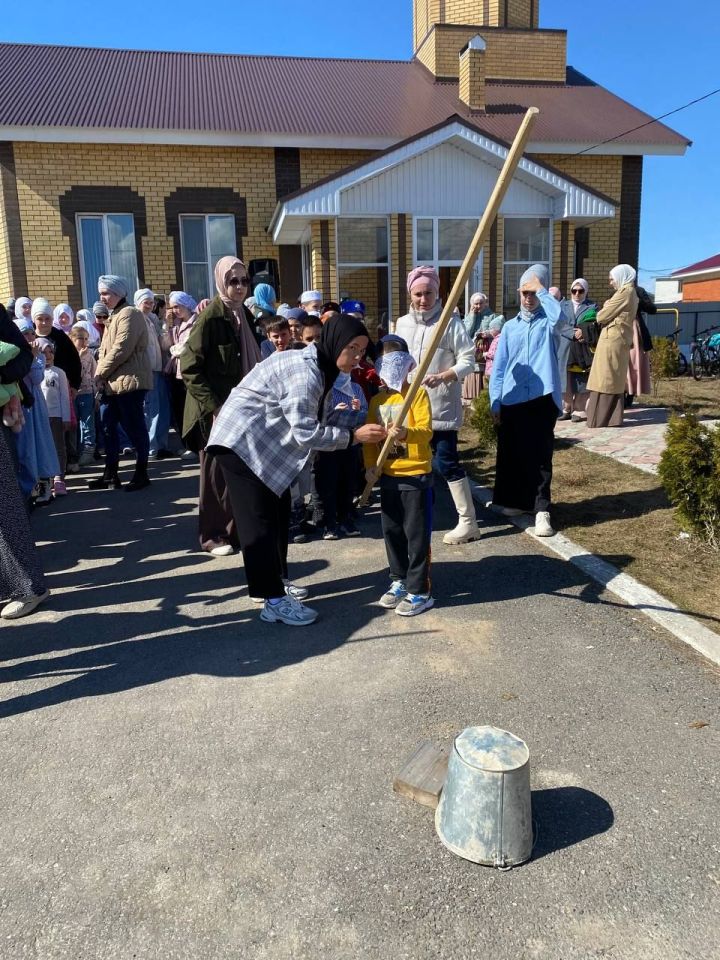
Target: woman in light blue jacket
{"type": "Point", "coordinates": [526, 399]}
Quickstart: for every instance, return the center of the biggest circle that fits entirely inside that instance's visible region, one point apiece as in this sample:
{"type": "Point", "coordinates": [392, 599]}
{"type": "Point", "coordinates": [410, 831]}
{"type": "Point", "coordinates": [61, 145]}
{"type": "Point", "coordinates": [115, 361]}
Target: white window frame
{"type": "Point", "coordinates": [90, 297]}
{"type": "Point", "coordinates": [362, 266]}
{"type": "Point", "coordinates": [476, 279]}
{"type": "Point", "coordinates": [515, 263]}
{"type": "Point", "coordinates": [206, 220]}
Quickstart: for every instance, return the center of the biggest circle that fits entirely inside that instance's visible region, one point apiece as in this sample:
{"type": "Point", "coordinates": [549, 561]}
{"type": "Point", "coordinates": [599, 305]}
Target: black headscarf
{"type": "Point", "coordinates": [337, 332]}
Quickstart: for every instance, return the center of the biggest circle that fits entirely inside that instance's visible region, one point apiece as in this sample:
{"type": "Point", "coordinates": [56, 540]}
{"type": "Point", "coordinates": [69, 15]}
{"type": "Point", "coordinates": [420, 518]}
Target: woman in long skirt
{"type": "Point", "coordinates": [607, 380]}
{"type": "Point", "coordinates": [525, 400]}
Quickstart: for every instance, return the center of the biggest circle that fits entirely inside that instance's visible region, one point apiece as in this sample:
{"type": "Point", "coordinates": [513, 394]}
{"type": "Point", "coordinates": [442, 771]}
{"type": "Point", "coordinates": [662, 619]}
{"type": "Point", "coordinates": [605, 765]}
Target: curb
{"type": "Point", "coordinates": [631, 591]}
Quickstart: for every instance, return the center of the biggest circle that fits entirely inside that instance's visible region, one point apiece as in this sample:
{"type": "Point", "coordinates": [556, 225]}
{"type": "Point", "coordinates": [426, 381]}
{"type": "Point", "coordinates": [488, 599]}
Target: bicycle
{"type": "Point", "coordinates": [682, 364]}
{"type": "Point", "coordinates": [704, 359]}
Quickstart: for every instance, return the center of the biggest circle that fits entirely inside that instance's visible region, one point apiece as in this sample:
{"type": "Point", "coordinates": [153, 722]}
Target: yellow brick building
{"type": "Point", "coordinates": [337, 175]}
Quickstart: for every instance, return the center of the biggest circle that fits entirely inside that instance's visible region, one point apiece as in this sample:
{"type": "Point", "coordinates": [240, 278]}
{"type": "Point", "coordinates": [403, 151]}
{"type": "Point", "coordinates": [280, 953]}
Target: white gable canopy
{"type": "Point", "coordinates": [450, 171]}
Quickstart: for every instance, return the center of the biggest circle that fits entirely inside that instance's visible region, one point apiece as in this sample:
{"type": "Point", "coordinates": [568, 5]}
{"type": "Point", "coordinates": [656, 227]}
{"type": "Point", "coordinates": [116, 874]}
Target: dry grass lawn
{"type": "Point", "coordinates": [622, 514]}
{"type": "Point", "coordinates": [700, 396]}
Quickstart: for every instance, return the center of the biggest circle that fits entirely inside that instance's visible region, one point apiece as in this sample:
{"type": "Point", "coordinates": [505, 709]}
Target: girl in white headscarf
{"type": "Point", "coordinates": [63, 317]}
{"type": "Point", "coordinates": [606, 383]}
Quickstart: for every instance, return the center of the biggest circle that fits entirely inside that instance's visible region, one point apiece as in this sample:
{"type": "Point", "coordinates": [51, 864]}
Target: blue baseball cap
{"type": "Point", "coordinates": [352, 306]}
{"type": "Point", "coordinates": [394, 338]}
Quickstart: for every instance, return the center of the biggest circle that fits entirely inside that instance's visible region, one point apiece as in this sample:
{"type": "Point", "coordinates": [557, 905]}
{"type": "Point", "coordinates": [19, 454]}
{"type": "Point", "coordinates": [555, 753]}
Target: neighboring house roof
{"type": "Point", "coordinates": [711, 265]}
{"type": "Point", "coordinates": [461, 162]}
{"type": "Point", "coordinates": [59, 93]}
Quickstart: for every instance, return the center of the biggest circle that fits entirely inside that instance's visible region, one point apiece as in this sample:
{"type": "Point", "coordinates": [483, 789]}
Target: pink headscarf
{"type": "Point", "coordinates": [424, 273]}
{"type": "Point", "coordinates": [250, 354]}
{"type": "Point", "coordinates": [222, 271]}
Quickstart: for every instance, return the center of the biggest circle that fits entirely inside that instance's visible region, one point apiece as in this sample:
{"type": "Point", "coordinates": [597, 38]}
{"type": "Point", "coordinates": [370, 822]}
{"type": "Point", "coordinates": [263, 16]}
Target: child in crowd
{"type": "Point", "coordinates": [296, 318]}
{"type": "Point", "coordinates": [56, 391]}
{"type": "Point", "coordinates": [277, 330]}
{"type": "Point", "coordinates": [312, 328]}
{"type": "Point", "coordinates": [406, 493]}
{"type": "Point", "coordinates": [335, 471]}
{"type": "Point", "coordinates": [85, 397]}
{"type": "Point", "coordinates": [37, 459]}
{"type": "Point", "coordinates": [494, 329]}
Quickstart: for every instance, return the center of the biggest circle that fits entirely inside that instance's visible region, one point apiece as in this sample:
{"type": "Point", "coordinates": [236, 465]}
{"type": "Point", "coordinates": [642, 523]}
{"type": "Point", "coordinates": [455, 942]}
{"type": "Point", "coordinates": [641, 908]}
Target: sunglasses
{"type": "Point", "coordinates": [577, 290]}
{"type": "Point", "coordinates": [239, 282]}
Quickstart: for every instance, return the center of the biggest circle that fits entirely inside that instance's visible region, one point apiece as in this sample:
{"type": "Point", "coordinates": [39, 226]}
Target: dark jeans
{"type": "Point", "coordinates": [407, 528]}
{"type": "Point", "coordinates": [262, 519]}
{"type": "Point", "coordinates": [445, 455]}
{"type": "Point", "coordinates": [126, 410]}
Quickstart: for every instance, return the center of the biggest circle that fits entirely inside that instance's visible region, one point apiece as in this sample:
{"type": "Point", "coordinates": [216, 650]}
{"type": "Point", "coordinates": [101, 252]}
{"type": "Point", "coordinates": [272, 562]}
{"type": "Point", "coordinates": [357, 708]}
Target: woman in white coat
{"type": "Point", "coordinates": [453, 361]}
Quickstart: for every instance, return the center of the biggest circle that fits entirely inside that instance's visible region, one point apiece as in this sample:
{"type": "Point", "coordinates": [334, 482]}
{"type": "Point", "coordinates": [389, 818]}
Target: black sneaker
{"type": "Point", "coordinates": [331, 533]}
{"type": "Point", "coordinates": [348, 528]}
{"type": "Point", "coordinates": [303, 532]}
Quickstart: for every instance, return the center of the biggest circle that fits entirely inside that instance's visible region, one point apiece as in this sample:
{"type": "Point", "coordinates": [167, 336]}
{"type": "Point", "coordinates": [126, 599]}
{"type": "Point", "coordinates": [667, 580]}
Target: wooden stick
{"type": "Point", "coordinates": [481, 234]}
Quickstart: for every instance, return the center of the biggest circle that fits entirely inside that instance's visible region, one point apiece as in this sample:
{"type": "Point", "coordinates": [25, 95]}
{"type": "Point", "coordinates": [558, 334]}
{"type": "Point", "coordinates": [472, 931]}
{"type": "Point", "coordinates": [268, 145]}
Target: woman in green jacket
{"type": "Point", "coordinates": [221, 349]}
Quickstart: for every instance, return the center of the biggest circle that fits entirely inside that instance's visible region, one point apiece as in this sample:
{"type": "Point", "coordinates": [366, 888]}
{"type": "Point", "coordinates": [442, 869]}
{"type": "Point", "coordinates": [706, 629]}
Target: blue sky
{"type": "Point", "coordinates": [657, 55]}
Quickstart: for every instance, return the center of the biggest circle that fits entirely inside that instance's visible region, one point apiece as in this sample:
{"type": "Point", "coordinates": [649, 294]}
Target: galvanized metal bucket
{"type": "Point", "coordinates": [484, 814]}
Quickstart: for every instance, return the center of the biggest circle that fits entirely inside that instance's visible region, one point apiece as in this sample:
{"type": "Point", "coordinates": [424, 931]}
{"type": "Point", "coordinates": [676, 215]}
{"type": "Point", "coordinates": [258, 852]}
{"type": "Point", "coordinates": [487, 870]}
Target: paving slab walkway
{"type": "Point", "coordinates": [639, 442]}
{"type": "Point", "coordinates": [182, 781]}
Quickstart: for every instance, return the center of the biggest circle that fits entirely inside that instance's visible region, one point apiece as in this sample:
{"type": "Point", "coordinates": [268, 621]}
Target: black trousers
{"type": "Point", "coordinates": [335, 482]}
{"type": "Point", "coordinates": [523, 471]}
{"type": "Point", "coordinates": [126, 410]}
{"type": "Point", "coordinates": [262, 520]}
{"type": "Point", "coordinates": [407, 529]}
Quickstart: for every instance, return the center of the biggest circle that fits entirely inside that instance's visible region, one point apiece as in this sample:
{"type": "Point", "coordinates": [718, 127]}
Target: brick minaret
{"type": "Point", "coordinates": [518, 14]}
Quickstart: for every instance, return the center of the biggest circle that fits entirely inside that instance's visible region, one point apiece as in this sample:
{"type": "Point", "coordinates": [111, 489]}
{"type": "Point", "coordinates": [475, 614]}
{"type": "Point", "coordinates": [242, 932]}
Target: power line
{"type": "Point", "coordinates": [647, 123]}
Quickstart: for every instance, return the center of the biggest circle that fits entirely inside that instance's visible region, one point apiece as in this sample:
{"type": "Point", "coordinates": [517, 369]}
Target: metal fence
{"type": "Point", "coordinates": [692, 319]}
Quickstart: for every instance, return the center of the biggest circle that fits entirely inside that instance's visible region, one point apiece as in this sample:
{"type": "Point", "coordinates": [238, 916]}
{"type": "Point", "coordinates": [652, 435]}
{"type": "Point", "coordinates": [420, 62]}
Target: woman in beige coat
{"type": "Point", "coordinates": [606, 383]}
{"type": "Point", "coordinates": [123, 377]}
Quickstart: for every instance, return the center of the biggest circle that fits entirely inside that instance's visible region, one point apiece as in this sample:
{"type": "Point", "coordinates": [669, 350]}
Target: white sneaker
{"type": "Point", "coordinates": [542, 525]}
{"type": "Point", "coordinates": [289, 611]}
{"type": "Point", "coordinates": [221, 550]}
{"type": "Point", "coordinates": [394, 595]}
{"type": "Point", "coordinates": [23, 606]}
{"type": "Point", "coordinates": [292, 590]}
{"type": "Point", "coordinates": [297, 593]}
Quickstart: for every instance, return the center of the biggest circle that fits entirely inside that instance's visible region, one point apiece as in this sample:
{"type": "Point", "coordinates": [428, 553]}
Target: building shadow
{"type": "Point", "coordinates": [564, 816]}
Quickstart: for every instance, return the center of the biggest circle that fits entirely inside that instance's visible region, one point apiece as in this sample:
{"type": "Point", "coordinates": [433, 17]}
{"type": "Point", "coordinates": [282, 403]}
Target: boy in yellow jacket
{"type": "Point", "coordinates": [406, 494]}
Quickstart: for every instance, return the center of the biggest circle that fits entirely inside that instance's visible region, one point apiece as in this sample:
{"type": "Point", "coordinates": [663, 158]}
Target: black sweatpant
{"type": "Point", "coordinates": [523, 471]}
{"type": "Point", "coordinates": [407, 529]}
{"type": "Point", "coordinates": [262, 519]}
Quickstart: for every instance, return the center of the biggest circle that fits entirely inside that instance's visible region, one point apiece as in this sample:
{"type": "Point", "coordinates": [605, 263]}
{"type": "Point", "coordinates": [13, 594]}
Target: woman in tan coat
{"type": "Point", "coordinates": [123, 377]}
{"type": "Point", "coordinates": [606, 383]}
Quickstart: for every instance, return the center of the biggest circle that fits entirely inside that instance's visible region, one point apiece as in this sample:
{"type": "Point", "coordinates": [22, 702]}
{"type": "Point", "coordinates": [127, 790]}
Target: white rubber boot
{"type": "Point", "coordinates": [467, 528]}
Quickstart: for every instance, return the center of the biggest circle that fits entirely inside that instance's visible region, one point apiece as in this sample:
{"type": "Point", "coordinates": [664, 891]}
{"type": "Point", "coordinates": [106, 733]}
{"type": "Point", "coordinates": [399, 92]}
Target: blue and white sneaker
{"type": "Point", "coordinates": [412, 604]}
{"type": "Point", "coordinates": [289, 611]}
{"type": "Point", "coordinates": [393, 596]}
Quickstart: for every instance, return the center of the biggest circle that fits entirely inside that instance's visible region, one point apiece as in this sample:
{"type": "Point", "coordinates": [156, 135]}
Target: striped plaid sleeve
{"type": "Point", "coordinates": [300, 401]}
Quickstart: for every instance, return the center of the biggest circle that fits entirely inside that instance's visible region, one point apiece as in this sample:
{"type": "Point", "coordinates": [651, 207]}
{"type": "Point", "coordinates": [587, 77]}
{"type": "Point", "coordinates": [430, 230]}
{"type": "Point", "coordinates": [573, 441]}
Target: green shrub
{"type": "Point", "coordinates": [663, 361]}
{"type": "Point", "coordinates": [482, 421]}
{"type": "Point", "coordinates": [690, 473]}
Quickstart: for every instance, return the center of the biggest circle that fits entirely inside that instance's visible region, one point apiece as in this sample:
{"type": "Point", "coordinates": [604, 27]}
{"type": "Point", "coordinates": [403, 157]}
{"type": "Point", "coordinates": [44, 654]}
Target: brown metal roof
{"type": "Point", "coordinates": [712, 263]}
{"type": "Point", "coordinates": [82, 87]}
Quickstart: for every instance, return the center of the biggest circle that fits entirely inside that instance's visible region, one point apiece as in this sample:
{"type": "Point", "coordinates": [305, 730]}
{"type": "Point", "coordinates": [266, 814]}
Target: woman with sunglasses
{"type": "Point", "coordinates": [526, 399]}
{"type": "Point", "coordinates": [220, 350]}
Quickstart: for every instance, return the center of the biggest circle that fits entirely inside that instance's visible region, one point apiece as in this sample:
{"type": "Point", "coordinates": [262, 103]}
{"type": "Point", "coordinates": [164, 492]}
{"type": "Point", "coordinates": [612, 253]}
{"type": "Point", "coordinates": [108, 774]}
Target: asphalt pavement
{"type": "Point", "coordinates": [181, 780]}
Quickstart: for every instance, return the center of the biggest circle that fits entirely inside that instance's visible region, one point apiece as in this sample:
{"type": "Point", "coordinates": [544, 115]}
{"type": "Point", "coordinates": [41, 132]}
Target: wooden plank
{"type": "Point", "coordinates": [422, 776]}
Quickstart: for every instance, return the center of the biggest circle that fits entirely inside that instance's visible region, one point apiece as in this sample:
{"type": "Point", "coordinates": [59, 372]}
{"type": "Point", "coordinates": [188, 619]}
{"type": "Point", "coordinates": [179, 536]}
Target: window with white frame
{"type": "Point", "coordinates": [443, 243]}
{"type": "Point", "coordinates": [363, 264]}
{"type": "Point", "coordinates": [204, 239]}
{"type": "Point", "coordinates": [527, 241]}
{"type": "Point", "coordinates": [106, 244]}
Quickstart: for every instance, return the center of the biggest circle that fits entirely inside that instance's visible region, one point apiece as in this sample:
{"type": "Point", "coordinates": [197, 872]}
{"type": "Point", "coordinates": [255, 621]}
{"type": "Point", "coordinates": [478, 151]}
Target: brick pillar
{"type": "Point", "coordinates": [472, 74]}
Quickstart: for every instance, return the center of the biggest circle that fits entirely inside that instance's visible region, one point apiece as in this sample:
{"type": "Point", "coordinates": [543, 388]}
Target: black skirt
{"type": "Point", "coordinates": [21, 573]}
{"type": "Point", "coordinates": [523, 469]}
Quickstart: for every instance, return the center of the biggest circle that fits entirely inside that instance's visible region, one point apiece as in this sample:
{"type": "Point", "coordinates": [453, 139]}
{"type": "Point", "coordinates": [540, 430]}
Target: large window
{"type": "Point", "coordinates": [443, 243]}
{"type": "Point", "coordinates": [204, 240]}
{"type": "Point", "coordinates": [106, 245]}
{"type": "Point", "coordinates": [363, 264]}
{"type": "Point", "coordinates": [527, 241]}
